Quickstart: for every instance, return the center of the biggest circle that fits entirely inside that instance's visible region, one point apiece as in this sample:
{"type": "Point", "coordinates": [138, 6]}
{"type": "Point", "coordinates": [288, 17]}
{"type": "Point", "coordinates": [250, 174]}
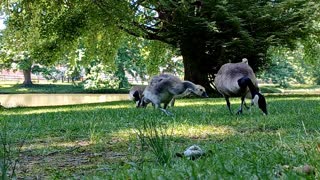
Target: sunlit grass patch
{"type": "Point", "coordinates": [213, 102]}
{"type": "Point", "coordinates": [52, 144]}
{"type": "Point", "coordinates": [201, 131]}
{"type": "Point", "coordinates": [185, 131]}
{"type": "Point", "coordinates": [22, 90]}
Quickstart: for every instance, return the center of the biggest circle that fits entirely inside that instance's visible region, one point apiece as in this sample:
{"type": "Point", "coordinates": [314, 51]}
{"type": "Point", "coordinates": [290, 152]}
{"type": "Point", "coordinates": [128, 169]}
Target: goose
{"type": "Point", "coordinates": [135, 93]}
{"type": "Point", "coordinates": [166, 87]}
{"type": "Point", "coordinates": [239, 80]}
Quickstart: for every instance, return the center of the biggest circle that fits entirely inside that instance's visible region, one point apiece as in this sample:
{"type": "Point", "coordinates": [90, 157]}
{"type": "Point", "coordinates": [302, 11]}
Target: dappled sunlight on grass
{"type": "Point", "coordinates": [6, 85]}
{"type": "Point", "coordinates": [185, 131]}
{"type": "Point", "coordinates": [22, 90]}
{"type": "Point", "coordinates": [291, 98]}
{"type": "Point", "coordinates": [28, 111]}
{"type": "Point", "coordinates": [197, 103]}
{"type": "Point", "coordinates": [55, 144]}
{"type": "Point", "coordinates": [125, 134]}
{"type": "Point", "coordinates": [68, 108]}
{"type": "Point", "coordinates": [117, 106]}
{"type": "Point", "coordinates": [37, 111]}
{"type": "Point", "coordinates": [201, 131]}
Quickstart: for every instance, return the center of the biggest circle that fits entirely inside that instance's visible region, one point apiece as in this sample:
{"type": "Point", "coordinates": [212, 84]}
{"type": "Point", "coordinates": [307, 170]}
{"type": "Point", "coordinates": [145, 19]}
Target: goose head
{"type": "Point", "coordinates": [142, 103]}
{"type": "Point", "coordinates": [260, 101]}
{"type": "Point", "coordinates": [199, 90]}
{"type": "Point", "coordinates": [137, 98]}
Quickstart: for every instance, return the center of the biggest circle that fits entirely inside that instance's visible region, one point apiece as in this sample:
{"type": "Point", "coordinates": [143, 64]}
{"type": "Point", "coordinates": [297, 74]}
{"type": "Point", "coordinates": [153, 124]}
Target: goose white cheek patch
{"type": "Point", "coordinates": [137, 103]}
{"type": "Point", "coordinates": [255, 100]}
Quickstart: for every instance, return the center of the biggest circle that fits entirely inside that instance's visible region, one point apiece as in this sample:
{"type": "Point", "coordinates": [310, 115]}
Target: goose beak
{"type": "Point", "coordinates": [265, 113]}
{"type": "Point", "coordinates": [205, 95]}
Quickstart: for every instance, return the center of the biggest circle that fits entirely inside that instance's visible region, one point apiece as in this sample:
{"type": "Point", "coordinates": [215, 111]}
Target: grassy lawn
{"type": "Point", "coordinates": [114, 140]}
{"type": "Point", "coordinates": [68, 88]}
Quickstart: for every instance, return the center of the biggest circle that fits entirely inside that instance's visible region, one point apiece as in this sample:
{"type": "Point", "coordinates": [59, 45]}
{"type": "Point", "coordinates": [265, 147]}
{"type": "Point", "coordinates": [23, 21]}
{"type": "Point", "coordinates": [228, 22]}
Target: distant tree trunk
{"type": "Point", "coordinates": [198, 65]}
{"type": "Point", "coordinates": [27, 77]}
{"type": "Point", "coordinates": [201, 63]}
{"type": "Point", "coordinates": [195, 72]}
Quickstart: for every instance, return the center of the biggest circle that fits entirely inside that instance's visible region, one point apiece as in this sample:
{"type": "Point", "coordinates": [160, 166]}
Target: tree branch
{"type": "Point", "coordinates": [147, 35]}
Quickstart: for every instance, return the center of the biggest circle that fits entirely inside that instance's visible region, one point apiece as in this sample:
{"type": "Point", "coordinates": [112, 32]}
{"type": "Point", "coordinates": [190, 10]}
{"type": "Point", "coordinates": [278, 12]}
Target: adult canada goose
{"type": "Point", "coordinates": [239, 80]}
{"type": "Point", "coordinates": [165, 87]}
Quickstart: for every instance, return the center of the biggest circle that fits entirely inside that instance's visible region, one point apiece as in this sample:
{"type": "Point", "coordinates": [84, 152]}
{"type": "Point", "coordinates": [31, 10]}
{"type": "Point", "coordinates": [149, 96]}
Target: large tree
{"type": "Point", "coordinates": [208, 33]}
{"type": "Point", "coordinates": [51, 31]}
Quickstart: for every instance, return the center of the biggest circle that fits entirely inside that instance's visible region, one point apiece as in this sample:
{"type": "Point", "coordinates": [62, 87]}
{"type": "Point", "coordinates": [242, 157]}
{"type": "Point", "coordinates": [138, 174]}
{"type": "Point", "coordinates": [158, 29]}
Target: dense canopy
{"type": "Point", "coordinates": [208, 33]}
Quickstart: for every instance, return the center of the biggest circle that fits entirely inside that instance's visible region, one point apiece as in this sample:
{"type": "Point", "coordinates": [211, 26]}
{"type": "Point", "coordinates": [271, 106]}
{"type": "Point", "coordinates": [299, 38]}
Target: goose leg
{"type": "Point", "coordinates": [228, 104]}
{"type": "Point", "coordinates": [165, 105]}
{"type": "Point", "coordinates": [172, 102]}
{"type": "Point", "coordinates": [158, 106]}
{"type": "Point", "coordinates": [168, 113]}
{"type": "Point", "coordinates": [245, 105]}
{"type": "Point", "coordinates": [241, 106]}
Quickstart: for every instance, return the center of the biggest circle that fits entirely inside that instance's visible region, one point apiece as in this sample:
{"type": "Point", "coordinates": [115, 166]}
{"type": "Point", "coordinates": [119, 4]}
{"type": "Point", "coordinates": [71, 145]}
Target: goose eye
{"type": "Point", "coordinates": [201, 90]}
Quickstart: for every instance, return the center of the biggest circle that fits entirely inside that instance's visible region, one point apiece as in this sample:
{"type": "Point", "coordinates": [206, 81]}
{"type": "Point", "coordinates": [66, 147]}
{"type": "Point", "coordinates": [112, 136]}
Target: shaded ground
{"type": "Point", "coordinates": [79, 159]}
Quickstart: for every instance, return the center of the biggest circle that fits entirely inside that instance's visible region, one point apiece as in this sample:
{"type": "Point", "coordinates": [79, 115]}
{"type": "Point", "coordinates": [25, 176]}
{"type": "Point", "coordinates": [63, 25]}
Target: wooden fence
{"type": "Point", "coordinates": [19, 78]}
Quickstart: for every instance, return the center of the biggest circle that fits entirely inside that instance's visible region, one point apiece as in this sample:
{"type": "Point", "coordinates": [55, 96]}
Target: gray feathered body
{"type": "Point", "coordinates": [166, 87]}
{"type": "Point", "coordinates": [163, 88]}
{"type": "Point", "coordinates": [226, 80]}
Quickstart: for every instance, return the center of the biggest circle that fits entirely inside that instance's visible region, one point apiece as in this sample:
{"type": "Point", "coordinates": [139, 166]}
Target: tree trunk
{"type": "Point", "coordinates": [27, 77]}
{"type": "Point", "coordinates": [198, 65]}
{"type": "Point", "coordinates": [196, 73]}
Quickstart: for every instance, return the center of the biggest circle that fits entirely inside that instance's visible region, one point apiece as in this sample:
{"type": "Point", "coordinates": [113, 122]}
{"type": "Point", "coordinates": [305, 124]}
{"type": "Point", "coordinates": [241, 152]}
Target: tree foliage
{"type": "Point", "coordinates": [208, 33]}
{"type": "Point", "coordinates": [211, 33]}
{"type": "Point", "coordinates": [288, 67]}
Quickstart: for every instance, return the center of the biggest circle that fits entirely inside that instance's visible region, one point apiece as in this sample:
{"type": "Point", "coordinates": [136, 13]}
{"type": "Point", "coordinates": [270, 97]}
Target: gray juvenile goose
{"type": "Point", "coordinates": [136, 92]}
{"type": "Point", "coordinates": [165, 87]}
{"type": "Point", "coordinates": [237, 80]}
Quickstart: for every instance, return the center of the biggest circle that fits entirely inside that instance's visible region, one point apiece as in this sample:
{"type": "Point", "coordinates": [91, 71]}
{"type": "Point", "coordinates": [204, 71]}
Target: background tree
{"type": "Point", "coordinates": [211, 33]}
{"type": "Point", "coordinates": [130, 59]}
{"type": "Point", "coordinates": [208, 33]}
{"type": "Point", "coordinates": [14, 50]}
{"type": "Point", "coordinates": [287, 67]}
{"type": "Point", "coordinates": [51, 31]}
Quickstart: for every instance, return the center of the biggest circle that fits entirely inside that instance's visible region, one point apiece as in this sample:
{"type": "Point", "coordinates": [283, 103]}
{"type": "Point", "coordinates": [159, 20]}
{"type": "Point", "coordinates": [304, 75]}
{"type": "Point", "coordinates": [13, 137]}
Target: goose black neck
{"type": "Point", "coordinates": [246, 82]}
{"type": "Point", "coordinates": [252, 89]}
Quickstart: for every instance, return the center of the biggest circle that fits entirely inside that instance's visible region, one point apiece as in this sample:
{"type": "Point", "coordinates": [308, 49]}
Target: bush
{"type": "Point", "coordinates": [287, 67]}
{"type": "Point", "coordinates": [99, 78]}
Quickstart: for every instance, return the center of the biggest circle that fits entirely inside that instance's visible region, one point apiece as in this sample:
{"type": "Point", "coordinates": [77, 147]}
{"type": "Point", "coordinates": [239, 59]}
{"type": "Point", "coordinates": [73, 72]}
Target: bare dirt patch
{"type": "Point", "coordinates": [71, 161]}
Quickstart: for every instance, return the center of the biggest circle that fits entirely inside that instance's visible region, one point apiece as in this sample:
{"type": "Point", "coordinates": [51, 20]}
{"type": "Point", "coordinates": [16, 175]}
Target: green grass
{"type": "Point", "coordinates": [68, 88]}
{"type": "Point", "coordinates": [292, 89]}
{"type": "Point", "coordinates": [101, 141]}
{"type": "Point", "coordinates": [52, 88]}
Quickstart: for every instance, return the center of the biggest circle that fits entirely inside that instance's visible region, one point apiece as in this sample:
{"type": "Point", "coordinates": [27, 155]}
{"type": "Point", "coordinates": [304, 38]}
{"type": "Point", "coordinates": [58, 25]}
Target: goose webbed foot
{"type": "Point", "coordinates": [239, 112]}
{"type": "Point", "coordinates": [247, 107]}
{"type": "Point", "coordinates": [168, 113]}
